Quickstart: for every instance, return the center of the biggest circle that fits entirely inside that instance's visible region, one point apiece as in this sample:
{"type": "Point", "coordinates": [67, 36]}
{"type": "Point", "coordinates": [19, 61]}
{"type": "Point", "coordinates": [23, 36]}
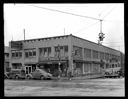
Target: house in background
{"type": "Point", "coordinates": [6, 59]}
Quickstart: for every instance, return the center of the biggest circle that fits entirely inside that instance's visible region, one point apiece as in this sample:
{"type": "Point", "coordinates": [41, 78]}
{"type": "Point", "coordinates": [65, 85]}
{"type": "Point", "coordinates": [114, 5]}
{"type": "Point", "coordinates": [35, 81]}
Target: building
{"type": "Point", "coordinates": [6, 59]}
{"type": "Point", "coordinates": [67, 52]}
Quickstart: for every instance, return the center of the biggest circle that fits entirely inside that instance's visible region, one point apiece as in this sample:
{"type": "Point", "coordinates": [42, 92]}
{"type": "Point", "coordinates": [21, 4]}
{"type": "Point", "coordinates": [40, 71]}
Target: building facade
{"type": "Point", "coordinates": [68, 52]}
{"type": "Point", "coordinates": [6, 59]}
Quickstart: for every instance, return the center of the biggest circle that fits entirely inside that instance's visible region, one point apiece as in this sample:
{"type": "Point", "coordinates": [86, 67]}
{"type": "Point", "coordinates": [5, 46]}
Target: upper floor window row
{"type": "Point", "coordinates": [46, 51]}
{"type": "Point", "coordinates": [61, 48]}
{"type": "Point", "coordinates": [16, 54]}
{"type": "Point", "coordinates": [61, 51]}
{"type": "Point", "coordinates": [30, 53]}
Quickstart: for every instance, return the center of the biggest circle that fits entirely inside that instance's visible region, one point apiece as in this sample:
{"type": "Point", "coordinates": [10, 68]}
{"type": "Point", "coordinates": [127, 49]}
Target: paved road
{"type": "Point", "coordinates": [88, 87]}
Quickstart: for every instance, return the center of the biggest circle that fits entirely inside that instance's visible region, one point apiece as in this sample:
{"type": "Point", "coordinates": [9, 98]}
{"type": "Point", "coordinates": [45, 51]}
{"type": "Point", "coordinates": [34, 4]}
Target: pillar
{"type": "Point", "coordinates": [70, 62]}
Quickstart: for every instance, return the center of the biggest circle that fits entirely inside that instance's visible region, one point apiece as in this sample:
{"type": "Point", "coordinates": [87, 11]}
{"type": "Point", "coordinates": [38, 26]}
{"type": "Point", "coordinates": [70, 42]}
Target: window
{"type": "Point", "coordinates": [30, 53]}
{"type": "Point", "coordinates": [101, 55]}
{"type": "Point", "coordinates": [87, 53]}
{"type": "Point", "coordinates": [45, 52]}
{"type": "Point", "coordinates": [26, 54]}
{"type": "Point", "coordinates": [7, 54]}
{"type": "Point", "coordinates": [77, 51]}
{"type": "Point", "coordinates": [116, 65]}
{"type": "Point", "coordinates": [106, 56]}
{"type": "Point", "coordinates": [49, 50]}
{"type": "Point", "coordinates": [107, 65]}
{"type": "Point", "coordinates": [95, 54]}
{"type": "Point", "coordinates": [20, 54]}
{"type": "Point", "coordinates": [66, 48]}
{"type": "Point", "coordinates": [13, 54]}
{"type": "Point", "coordinates": [16, 54]}
{"type": "Point", "coordinates": [112, 65]}
{"type": "Point", "coordinates": [34, 53]}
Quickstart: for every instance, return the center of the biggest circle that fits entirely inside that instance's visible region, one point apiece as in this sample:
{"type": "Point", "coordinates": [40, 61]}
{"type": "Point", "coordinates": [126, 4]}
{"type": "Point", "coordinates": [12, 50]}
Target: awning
{"type": "Point", "coordinates": [52, 62]}
{"type": "Point", "coordinates": [83, 61]}
{"type": "Point", "coordinates": [28, 63]}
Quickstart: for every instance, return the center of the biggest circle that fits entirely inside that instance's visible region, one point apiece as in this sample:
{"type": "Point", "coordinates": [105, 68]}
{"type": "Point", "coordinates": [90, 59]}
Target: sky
{"type": "Point", "coordinates": [47, 20]}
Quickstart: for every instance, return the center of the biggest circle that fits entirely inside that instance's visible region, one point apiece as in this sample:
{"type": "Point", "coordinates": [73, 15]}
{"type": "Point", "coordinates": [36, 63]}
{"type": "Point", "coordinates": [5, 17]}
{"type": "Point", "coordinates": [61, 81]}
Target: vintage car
{"type": "Point", "coordinates": [6, 75]}
{"type": "Point", "coordinates": [39, 74]}
{"type": "Point", "coordinates": [17, 74]}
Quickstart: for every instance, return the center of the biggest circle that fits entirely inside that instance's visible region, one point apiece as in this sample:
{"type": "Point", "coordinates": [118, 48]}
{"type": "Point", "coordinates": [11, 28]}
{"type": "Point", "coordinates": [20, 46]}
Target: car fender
{"type": "Point", "coordinates": [29, 75]}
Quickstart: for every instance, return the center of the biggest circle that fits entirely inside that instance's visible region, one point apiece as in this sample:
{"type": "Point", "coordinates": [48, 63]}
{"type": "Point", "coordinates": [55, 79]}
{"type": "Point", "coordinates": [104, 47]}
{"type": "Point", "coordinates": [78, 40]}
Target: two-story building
{"type": "Point", "coordinates": [67, 52]}
{"type": "Point", "coordinates": [6, 59]}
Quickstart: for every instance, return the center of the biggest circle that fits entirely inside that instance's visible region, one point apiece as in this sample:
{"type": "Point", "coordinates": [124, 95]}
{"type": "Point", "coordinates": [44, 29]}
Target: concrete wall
{"type": "Point", "coordinates": [39, 43]}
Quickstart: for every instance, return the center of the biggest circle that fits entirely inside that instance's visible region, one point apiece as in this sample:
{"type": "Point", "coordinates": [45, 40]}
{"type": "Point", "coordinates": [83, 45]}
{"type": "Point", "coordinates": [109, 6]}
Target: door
{"type": "Point", "coordinates": [28, 69]}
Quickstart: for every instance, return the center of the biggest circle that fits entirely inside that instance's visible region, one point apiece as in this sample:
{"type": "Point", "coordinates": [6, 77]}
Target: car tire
{"type": "Point", "coordinates": [28, 77]}
{"type": "Point", "coordinates": [42, 77]}
{"type": "Point", "coordinates": [16, 77]}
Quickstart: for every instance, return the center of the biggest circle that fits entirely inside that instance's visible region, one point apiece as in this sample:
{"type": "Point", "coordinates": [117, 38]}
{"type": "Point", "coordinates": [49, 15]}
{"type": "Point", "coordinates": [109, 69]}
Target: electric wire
{"type": "Point", "coordinates": [85, 28]}
{"type": "Point", "coordinates": [65, 12]}
{"type": "Point", "coordinates": [108, 12]}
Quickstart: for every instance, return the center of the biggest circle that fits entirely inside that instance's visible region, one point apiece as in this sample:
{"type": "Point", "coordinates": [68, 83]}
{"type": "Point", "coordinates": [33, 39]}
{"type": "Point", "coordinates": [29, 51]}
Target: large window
{"type": "Point", "coordinates": [45, 52]}
{"type": "Point", "coordinates": [61, 51]}
{"type": "Point", "coordinates": [30, 53]}
{"type": "Point", "coordinates": [106, 56]}
{"type": "Point", "coordinates": [77, 51]}
{"type": "Point", "coordinates": [95, 54]}
{"type": "Point", "coordinates": [87, 53]}
{"type": "Point", "coordinates": [16, 54]}
{"type": "Point", "coordinates": [101, 55]}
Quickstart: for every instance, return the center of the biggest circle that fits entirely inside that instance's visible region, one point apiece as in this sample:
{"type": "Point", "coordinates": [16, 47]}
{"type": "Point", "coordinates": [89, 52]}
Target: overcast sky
{"type": "Point", "coordinates": [39, 22]}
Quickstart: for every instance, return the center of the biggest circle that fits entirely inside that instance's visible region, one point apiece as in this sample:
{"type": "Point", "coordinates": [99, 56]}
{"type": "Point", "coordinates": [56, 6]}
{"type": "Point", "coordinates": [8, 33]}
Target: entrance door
{"type": "Point", "coordinates": [28, 69]}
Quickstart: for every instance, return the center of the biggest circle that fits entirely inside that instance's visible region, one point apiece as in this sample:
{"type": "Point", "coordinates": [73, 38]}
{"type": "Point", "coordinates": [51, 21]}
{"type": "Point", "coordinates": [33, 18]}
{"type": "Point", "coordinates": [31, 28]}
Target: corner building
{"type": "Point", "coordinates": [68, 52]}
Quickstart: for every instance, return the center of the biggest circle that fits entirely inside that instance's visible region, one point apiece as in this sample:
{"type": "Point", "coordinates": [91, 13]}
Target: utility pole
{"type": "Point", "coordinates": [101, 26]}
{"type": "Point", "coordinates": [24, 34]}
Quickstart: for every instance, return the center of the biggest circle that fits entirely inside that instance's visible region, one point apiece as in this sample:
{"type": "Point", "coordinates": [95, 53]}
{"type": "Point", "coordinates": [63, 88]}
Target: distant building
{"type": "Point", "coordinates": [6, 58]}
{"type": "Point", "coordinates": [67, 52]}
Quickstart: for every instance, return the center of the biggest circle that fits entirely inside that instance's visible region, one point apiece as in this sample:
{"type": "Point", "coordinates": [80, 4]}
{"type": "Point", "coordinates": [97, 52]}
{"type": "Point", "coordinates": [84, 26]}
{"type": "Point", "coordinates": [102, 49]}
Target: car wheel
{"type": "Point", "coordinates": [42, 77]}
{"type": "Point", "coordinates": [17, 77]}
{"type": "Point", "coordinates": [28, 77]}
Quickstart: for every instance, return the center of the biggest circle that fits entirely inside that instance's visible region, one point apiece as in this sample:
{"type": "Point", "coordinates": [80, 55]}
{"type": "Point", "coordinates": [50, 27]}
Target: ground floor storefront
{"type": "Point", "coordinates": [61, 67]}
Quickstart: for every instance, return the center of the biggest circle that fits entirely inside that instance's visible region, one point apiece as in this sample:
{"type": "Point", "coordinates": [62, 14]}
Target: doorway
{"type": "Point", "coordinates": [28, 69]}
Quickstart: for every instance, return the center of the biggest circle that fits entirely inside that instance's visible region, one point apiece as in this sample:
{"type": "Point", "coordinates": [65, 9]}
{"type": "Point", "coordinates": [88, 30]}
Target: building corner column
{"type": "Point", "coordinates": [70, 54]}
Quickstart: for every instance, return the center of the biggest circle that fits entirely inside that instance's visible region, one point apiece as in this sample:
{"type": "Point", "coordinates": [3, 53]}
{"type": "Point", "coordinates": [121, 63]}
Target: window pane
{"type": "Point", "coordinates": [20, 54]}
{"type": "Point", "coordinates": [66, 48]}
{"type": "Point", "coordinates": [13, 54]}
{"type": "Point", "coordinates": [30, 53]}
{"type": "Point", "coordinates": [34, 53]}
{"type": "Point", "coordinates": [26, 54]}
{"type": "Point", "coordinates": [87, 53]}
{"type": "Point", "coordinates": [16, 54]}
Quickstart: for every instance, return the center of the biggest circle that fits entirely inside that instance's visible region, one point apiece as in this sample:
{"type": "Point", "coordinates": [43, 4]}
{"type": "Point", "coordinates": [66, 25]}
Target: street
{"type": "Point", "coordinates": [88, 87]}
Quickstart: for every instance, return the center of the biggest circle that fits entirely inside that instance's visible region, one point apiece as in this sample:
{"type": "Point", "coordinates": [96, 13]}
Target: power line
{"type": "Point", "coordinates": [86, 27]}
{"type": "Point", "coordinates": [65, 12]}
{"type": "Point", "coordinates": [108, 12]}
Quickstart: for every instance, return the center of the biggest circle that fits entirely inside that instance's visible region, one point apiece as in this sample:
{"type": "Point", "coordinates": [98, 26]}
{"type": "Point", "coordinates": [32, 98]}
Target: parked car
{"type": "Point", "coordinates": [17, 74]}
{"type": "Point", "coordinates": [6, 75]}
{"type": "Point", "coordinates": [39, 74]}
